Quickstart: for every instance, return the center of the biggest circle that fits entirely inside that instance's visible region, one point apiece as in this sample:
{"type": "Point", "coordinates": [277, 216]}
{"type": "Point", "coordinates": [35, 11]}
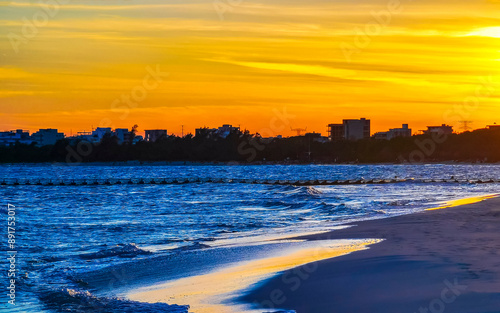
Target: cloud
{"type": "Point", "coordinates": [7, 73]}
{"type": "Point", "coordinates": [270, 53]}
{"type": "Point", "coordinates": [493, 32]}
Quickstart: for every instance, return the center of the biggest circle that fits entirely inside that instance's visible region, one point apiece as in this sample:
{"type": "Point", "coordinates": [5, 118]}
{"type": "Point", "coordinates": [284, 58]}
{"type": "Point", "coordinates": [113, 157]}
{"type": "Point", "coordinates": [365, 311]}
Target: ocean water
{"type": "Point", "coordinates": [75, 242]}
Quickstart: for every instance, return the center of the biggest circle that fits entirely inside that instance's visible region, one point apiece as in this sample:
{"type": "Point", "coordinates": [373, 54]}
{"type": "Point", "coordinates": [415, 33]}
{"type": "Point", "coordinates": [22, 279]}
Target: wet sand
{"type": "Point", "coordinates": [444, 260]}
{"type": "Point", "coordinates": [213, 292]}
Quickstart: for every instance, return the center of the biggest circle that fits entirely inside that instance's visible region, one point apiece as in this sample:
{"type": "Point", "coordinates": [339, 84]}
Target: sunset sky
{"type": "Point", "coordinates": [419, 62]}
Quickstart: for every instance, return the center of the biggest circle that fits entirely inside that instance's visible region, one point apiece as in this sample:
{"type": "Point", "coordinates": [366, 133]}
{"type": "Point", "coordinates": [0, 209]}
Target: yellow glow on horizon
{"type": "Point", "coordinates": [493, 32]}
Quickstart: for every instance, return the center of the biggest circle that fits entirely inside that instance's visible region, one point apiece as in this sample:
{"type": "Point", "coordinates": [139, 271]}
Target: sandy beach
{"type": "Point", "coordinates": [214, 291]}
{"type": "Point", "coordinates": [437, 261]}
{"type": "Point", "coordinates": [444, 259]}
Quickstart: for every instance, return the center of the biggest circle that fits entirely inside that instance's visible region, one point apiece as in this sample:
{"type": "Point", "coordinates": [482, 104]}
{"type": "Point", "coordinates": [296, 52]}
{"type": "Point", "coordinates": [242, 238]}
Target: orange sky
{"type": "Point", "coordinates": [393, 61]}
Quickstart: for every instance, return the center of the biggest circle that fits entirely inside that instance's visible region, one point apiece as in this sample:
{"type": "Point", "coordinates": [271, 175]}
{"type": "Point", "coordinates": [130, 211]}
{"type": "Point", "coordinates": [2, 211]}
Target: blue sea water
{"type": "Point", "coordinates": [81, 247]}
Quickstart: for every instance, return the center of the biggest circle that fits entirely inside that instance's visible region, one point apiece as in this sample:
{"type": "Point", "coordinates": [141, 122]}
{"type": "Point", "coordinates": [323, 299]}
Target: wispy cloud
{"type": "Point", "coordinates": [265, 54]}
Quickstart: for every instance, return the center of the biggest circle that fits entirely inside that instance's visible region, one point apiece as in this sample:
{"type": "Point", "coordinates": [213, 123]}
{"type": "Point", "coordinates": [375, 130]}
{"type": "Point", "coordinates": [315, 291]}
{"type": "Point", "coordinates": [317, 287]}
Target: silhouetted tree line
{"type": "Point", "coordinates": [476, 146]}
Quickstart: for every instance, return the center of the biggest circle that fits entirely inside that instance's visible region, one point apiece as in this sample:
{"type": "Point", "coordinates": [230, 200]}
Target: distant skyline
{"type": "Point", "coordinates": [288, 134]}
{"type": "Point", "coordinates": [424, 63]}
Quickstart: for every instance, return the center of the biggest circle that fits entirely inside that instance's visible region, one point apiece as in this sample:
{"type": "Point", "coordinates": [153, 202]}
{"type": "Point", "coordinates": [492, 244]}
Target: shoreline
{"type": "Point", "coordinates": [432, 261]}
{"type": "Point", "coordinates": [214, 291]}
{"type": "Point", "coordinates": [206, 292]}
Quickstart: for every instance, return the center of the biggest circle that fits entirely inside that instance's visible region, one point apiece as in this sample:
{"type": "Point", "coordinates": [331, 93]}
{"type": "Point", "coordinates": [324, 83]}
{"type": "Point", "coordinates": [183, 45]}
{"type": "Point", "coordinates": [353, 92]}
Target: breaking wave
{"type": "Point", "coordinates": [71, 300]}
{"type": "Point", "coordinates": [129, 250]}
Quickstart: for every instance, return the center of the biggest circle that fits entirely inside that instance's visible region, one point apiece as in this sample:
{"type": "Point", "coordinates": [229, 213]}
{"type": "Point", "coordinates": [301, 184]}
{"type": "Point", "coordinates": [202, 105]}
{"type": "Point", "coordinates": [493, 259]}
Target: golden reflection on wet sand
{"type": "Point", "coordinates": [459, 202]}
{"type": "Point", "coordinates": [210, 293]}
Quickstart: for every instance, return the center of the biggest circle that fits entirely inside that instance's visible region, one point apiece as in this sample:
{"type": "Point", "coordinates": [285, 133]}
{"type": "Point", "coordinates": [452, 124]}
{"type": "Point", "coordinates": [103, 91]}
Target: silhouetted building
{"type": "Point", "coordinates": [100, 132]}
{"type": "Point", "coordinates": [227, 129]}
{"type": "Point", "coordinates": [336, 132]}
{"type": "Point", "coordinates": [123, 135]}
{"type": "Point", "coordinates": [381, 135]}
{"type": "Point", "coordinates": [350, 130]}
{"type": "Point", "coordinates": [222, 131]}
{"type": "Point", "coordinates": [443, 129]}
{"type": "Point", "coordinates": [205, 132]}
{"type": "Point", "coordinates": [137, 139]}
{"type": "Point", "coordinates": [316, 137]}
{"type": "Point", "coordinates": [11, 137]}
{"type": "Point", "coordinates": [393, 133]}
{"type": "Point", "coordinates": [155, 134]}
{"type": "Point", "coordinates": [357, 129]}
{"type": "Point", "coordinates": [45, 137]}
{"type": "Point", "coordinates": [82, 136]}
